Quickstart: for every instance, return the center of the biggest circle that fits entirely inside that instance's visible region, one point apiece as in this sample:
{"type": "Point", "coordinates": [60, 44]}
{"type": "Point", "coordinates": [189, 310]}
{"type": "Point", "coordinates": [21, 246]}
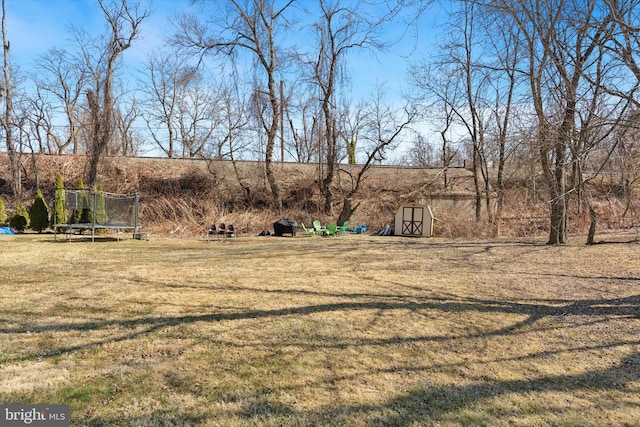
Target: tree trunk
{"type": "Point", "coordinates": [500, 190]}
{"type": "Point", "coordinates": [328, 194]}
{"type": "Point", "coordinates": [476, 183]}
{"type": "Point", "coordinates": [347, 211]}
{"type": "Point", "coordinates": [271, 179]}
{"type": "Point", "coordinates": [558, 220]}
{"type": "Point", "coordinates": [14, 155]}
{"type": "Point", "coordinates": [592, 226]}
{"type": "Point", "coordinates": [99, 133]}
{"type": "Point", "coordinates": [331, 159]}
{"type": "Point", "coordinates": [124, 24]}
{"type": "Point", "coordinates": [272, 134]}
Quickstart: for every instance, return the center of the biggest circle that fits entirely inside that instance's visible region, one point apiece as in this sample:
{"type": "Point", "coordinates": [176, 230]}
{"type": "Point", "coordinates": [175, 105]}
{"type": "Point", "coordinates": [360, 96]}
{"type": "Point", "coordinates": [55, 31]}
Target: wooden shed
{"type": "Point", "coordinates": [414, 220]}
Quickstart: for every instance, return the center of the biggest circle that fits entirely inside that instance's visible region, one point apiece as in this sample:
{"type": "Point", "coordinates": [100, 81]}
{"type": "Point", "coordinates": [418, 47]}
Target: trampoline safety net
{"type": "Point", "coordinates": [91, 210]}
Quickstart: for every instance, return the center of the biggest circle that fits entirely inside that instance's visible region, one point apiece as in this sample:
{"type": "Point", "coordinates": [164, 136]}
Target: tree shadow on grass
{"type": "Point", "coordinates": [534, 311]}
{"type": "Point", "coordinates": [429, 405]}
{"type": "Point", "coordinates": [426, 406]}
{"type": "Point", "coordinates": [413, 407]}
{"type": "Point", "coordinates": [448, 403]}
{"type": "Point", "coordinates": [155, 419]}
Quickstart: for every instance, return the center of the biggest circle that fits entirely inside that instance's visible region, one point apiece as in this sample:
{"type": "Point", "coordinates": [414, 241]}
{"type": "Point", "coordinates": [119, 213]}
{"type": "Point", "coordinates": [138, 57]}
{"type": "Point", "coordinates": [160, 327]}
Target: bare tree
{"type": "Point", "coordinates": [250, 26]}
{"type": "Point", "coordinates": [123, 23]}
{"type": "Point", "coordinates": [438, 93]}
{"type": "Point", "coordinates": [38, 110]}
{"type": "Point", "coordinates": [471, 114]}
{"type": "Point", "coordinates": [230, 138]}
{"type": "Point", "coordinates": [626, 160]}
{"type": "Point", "coordinates": [339, 30]}
{"type": "Point", "coordinates": [487, 87]}
{"type": "Point", "coordinates": [63, 76]}
{"type": "Point", "coordinates": [6, 95]}
{"type": "Point", "coordinates": [624, 43]}
{"type": "Point", "coordinates": [461, 88]}
{"type": "Point", "coordinates": [302, 120]}
{"type": "Point", "coordinates": [382, 129]}
{"type": "Point", "coordinates": [625, 46]}
{"type": "Point", "coordinates": [29, 137]}
{"type": "Point", "coordinates": [352, 122]}
{"type": "Point", "coordinates": [198, 115]}
{"type": "Point", "coordinates": [125, 140]}
{"type": "Point", "coordinates": [503, 81]}
{"type": "Point", "coordinates": [421, 153]}
{"type": "Point", "coordinates": [562, 41]}
{"type": "Point", "coordinates": [160, 84]}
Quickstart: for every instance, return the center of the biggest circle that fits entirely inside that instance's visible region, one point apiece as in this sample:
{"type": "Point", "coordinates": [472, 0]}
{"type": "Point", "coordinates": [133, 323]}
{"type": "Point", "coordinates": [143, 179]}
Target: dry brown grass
{"type": "Point", "coordinates": [181, 197]}
{"type": "Point", "coordinates": [354, 330]}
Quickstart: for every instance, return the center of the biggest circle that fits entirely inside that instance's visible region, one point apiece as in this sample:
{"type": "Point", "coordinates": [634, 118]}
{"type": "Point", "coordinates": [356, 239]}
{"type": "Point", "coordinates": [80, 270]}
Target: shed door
{"type": "Point", "coordinates": [412, 221]}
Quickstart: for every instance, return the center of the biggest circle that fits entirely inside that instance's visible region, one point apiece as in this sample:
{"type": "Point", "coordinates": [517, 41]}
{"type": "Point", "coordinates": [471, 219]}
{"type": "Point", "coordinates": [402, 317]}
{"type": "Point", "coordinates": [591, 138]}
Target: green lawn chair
{"type": "Point", "coordinates": [308, 231]}
{"type": "Point", "coordinates": [331, 229]}
{"type": "Point", "coordinates": [343, 228]}
{"type": "Point", "coordinates": [319, 229]}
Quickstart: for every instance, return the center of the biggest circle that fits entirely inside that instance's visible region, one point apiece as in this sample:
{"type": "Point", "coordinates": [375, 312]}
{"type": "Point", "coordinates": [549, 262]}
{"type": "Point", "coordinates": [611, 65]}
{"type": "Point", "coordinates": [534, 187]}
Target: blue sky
{"type": "Point", "coordinates": [35, 26]}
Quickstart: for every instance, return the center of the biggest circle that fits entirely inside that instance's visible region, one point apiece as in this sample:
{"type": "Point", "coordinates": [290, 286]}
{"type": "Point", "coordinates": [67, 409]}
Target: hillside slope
{"type": "Point", "coordinates": [183, 197]}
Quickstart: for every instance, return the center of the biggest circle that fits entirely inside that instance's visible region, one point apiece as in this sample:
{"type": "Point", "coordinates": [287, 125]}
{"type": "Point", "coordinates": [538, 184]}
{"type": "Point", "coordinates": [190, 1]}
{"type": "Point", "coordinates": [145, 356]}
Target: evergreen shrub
{"type": "Point", "coordinates": [59, 214]}
{"type": "Point", "coordinates": [3, 212]}
{"type": "Point", "coordinates": [39, 213]}
{"type": "Point", "coordinates": [101, 208]}
{"type": "Point", "coordinates": [83, 213]}
{"type": "Point", "coordinates": [20, 218]}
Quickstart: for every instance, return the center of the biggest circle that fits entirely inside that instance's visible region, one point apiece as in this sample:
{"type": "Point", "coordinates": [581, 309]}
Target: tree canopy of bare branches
{"type": "Point", "coordinates": [123, 23]}
{"type": "Point", "coordinates": [253, 27]}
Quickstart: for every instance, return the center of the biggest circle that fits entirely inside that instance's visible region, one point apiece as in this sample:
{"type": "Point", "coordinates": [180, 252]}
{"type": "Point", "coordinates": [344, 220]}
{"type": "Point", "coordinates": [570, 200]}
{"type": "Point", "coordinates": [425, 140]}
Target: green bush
{"type": "Point", "coordinates": [101, 208]}
{"type": "Point", "coordinates": [39, 213]}
{"type": "Point", "coordinates": [59, 215]}
{"type": "Point", "coordinates": [83, 213]}
{"type": "Point", "coordinates": [3, 213]}
{"type": "Point", "coordinates": [20, 218]}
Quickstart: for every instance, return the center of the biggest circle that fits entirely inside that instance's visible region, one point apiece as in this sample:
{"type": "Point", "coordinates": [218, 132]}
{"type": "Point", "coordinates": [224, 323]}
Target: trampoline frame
{"type": "Point", "coordinates": [93, 196]}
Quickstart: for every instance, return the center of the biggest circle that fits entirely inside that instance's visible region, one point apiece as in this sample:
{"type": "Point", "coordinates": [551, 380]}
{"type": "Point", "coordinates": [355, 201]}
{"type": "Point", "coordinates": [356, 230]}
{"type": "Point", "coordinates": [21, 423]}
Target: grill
{"type": "Point", "coordinates": [284, 226]}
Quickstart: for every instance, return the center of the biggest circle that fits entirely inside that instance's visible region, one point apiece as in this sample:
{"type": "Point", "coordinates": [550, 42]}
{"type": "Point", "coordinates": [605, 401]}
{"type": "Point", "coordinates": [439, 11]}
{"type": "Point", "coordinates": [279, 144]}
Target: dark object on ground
{"type": "Point", "coordinates": [222, 230]}
{"type": "Point", "coordinates": [386, 231]}
{"type": "Point", "coordinates": [285, 226]}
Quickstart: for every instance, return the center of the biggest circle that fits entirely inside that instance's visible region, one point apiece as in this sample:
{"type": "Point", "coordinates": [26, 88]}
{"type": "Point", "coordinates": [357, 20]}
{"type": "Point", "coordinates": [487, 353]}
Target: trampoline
{"type": "Point", "coordinates": [98, 211]}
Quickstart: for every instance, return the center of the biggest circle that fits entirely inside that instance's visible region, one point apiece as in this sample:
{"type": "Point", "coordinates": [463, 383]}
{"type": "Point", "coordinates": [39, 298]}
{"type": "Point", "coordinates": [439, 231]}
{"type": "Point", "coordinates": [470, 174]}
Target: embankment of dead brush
{"type": "Point", "coordinates": [183, 197]}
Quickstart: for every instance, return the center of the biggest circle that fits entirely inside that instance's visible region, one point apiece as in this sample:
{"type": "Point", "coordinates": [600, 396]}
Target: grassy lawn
{"type": "Point", "coordinates": [353, 330]}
